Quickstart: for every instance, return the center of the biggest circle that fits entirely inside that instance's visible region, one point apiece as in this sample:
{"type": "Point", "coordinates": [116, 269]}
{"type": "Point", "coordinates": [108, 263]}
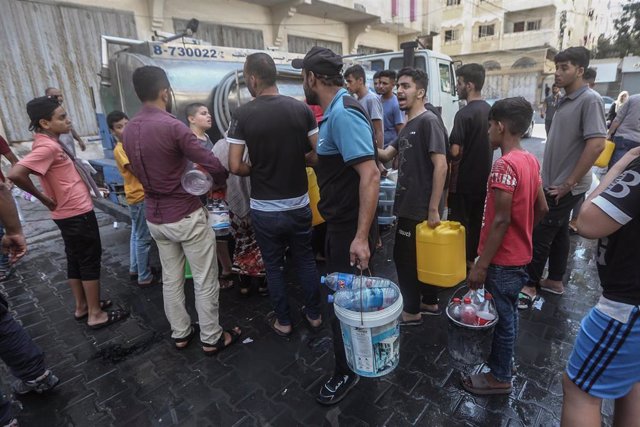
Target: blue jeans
{"type": "Point", "coordinates": [139, 244]}
{"type": "Point", "coordinates": [23, 357]}
{"type": "Point", "coordinates": [274, 232]}
{"type": "Point", "coordinates": [504, 283]}
{"type": "Point", "coordinates": [622, 146]}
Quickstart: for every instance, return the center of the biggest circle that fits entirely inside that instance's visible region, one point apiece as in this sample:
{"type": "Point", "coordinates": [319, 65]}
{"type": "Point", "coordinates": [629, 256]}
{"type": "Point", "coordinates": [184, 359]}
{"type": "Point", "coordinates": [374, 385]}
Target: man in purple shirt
{"type": "Point", "coordinates": [159, 147]}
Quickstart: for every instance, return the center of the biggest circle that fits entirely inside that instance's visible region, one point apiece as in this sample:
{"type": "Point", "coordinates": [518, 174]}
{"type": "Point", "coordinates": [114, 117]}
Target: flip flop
{"type": "Point", "coordinates": [271, 320]}
{"type": "Point", "coordinates": [306, 320]}
{"type": "Point", "coordinates": [526, 301]}
{"type": "Point", "coordinates": [104, 303]}
{"type": "Point", "coordinates": [551, 291]}
{"type": "Point", "coordinates": [426, 312]}
{"type": "Point", "coordinates": [416, 322]}
{"type": "Point", "coordinates": [478, 384]}
{"type": "Point", "coordinates": [221, 344]}
{"type": "Point", "coordinates": [113, 317]}
{"type": "Point", "coordinates": [155, 280]}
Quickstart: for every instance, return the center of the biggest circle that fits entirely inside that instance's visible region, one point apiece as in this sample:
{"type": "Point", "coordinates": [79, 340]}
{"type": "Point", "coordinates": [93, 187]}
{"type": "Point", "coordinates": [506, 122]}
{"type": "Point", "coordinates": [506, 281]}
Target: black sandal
{"type": "Point", "coordinates": [221, 345]}
{"type": "Point", "coordinates": [271, 321]}
{"type": "Point", "coordinates": [113, 317]}
{"type": "Point", "coordinates": [104, 303]}
{"type": "Point", "coordinates": [306, 320]}
{"type": "Point", "coordinates": [187, 340]}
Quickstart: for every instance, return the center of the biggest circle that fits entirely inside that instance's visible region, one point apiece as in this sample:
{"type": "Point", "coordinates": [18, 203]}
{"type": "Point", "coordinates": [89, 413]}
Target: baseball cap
{"type": "Point", "coordinates": [320, 60]}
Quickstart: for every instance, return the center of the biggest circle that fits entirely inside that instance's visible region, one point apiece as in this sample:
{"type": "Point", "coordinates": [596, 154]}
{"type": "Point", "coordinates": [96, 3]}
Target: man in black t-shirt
{"type": "Point", "coordinates": [422, 149]}
{"type": "Point", "coordinates": [280, 134]}
{"type": "Point", "coordinates": [471, 157]}
{"type": "Point", "coordinates": [604, 363]}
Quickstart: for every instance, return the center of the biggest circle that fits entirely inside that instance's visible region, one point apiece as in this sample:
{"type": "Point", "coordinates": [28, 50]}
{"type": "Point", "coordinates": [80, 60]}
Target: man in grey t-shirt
{"type": "Point", "coordinates": [357, 85]}
{"type": "Point", "coordinates": [625, 128]}
{"type": "Point", "coordinates": [575, 141]}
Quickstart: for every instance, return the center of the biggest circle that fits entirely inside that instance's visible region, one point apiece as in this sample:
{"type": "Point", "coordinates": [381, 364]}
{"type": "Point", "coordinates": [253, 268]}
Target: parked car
{"type": "Point", "coordinates": [527, 134]}
{"type": "Point", "coordinates": [608, 101]}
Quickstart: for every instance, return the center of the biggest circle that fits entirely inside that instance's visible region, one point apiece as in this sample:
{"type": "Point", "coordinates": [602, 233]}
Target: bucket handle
{"type": "Point", "coordinates": [361, 278]}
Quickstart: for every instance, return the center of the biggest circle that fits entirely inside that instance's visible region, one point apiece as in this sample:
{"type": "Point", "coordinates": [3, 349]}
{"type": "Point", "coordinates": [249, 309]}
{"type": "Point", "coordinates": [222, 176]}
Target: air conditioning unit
{"type": "Point", "coordinates": [360, 7]}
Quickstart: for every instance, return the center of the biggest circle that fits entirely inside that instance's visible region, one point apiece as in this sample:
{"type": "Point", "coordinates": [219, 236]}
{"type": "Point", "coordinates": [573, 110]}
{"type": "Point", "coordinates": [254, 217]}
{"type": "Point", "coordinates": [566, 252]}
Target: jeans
{"type": "Point", "coordinates": [274, 232]}
{"type": "Point", "coordinates": [405, 258]}
{"type": "Point", "coordinates": [504, 283]}
{"type": "Point", "coordinates": [23, 357]}
{"type": "Point", "coordinates": [551, 240]}
{"type": "Point", "coordinates": [140, 243]}
{"type": "Point", "coordinates": [622, 146]}
{"type": "Point", "coordinates": [191, 238]}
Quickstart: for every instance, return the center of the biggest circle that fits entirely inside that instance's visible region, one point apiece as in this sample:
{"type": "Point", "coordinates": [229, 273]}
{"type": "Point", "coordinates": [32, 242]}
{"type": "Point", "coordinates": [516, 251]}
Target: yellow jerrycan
{"type": "Point", "coordinates": [605, 157]}
{"type": "Point", "coordinates": [441, 253]}
{"type": "Point", "coordinates": [314, 197]}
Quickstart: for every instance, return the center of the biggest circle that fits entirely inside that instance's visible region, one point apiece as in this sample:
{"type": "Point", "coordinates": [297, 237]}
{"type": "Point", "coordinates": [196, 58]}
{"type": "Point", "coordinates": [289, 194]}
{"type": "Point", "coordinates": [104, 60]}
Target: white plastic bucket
{"type": "Point", "coordinates": [372, 339]}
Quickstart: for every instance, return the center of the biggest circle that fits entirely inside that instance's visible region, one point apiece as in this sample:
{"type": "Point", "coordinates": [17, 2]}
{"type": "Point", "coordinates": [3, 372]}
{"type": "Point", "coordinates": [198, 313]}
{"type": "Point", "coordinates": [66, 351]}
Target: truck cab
{"type": "Point", "coordinates": [439, 67]}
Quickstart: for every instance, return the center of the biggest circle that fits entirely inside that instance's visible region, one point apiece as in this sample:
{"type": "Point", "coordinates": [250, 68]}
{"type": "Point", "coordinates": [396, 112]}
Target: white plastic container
{"type": "Point", "coordinates": [372, 339]}
{"type": "Point", "coordinates": [219, 218]}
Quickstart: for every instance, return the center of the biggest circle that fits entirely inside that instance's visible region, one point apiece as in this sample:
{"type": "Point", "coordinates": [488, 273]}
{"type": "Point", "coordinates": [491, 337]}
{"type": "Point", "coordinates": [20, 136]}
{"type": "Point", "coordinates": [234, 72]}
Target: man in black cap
{"type": "Point", "coordinates": [346, 169]}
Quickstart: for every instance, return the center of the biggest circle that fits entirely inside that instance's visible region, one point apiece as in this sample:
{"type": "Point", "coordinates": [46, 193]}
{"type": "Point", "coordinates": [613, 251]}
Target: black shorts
{"type": "Point", "coordinates": [82, 245]}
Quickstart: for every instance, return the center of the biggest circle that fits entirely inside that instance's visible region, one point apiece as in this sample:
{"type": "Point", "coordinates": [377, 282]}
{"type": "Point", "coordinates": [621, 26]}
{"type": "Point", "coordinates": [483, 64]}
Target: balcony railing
{"type": "Point", "coordinates": [527, 39]}
{"type": "Point", "coordinates": [517, 5]}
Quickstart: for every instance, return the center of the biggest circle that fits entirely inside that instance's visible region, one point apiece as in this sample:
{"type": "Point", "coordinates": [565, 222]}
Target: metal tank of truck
{"type": "Point", "coordinates": [212, 75]}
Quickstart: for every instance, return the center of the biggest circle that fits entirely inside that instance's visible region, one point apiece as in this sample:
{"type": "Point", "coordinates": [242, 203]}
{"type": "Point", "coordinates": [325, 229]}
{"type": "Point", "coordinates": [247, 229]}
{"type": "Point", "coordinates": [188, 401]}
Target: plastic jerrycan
{"type": "Point", "coordinates": [605, 157]}
{"type": "Point", "coordinates": [441, 253]}
{"type": "Point", "coordinates": [314, 197]}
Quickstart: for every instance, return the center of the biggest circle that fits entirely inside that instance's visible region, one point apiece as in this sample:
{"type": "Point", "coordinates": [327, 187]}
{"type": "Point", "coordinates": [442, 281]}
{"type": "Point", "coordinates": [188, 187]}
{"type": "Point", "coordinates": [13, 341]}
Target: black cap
{"type": "Point", "coordinates": [320, 60]}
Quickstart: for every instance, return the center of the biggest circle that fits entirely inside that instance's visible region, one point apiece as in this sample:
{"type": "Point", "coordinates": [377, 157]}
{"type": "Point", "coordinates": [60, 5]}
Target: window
{"type": "Point", "coordinates": [445, 78]}
{"type": "Point", "coordinates": [453, 2]}
{"type": "Point", "coordinates": [518, 27]}
{"type": "Point", "coordinates": [451, 35]}
{"type": "Point", "coordinates": [304, 44]}
{"type": "Point", "coordinates": [398, 63]}
{"type": "Point", "coordinates": [533, 25]}
{"type": "Point", "coordinates": [486, 30]}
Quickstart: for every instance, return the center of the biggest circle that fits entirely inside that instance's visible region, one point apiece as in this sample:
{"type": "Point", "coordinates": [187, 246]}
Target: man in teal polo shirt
{"type": "Point", "coordinates": [349, 183]}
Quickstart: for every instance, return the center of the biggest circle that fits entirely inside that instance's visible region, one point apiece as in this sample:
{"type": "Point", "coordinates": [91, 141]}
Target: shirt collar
{"type": "Point", "coordinates": [578, 92]}
{"type": "Point", "coordinates": [342, 92]}
{"type": "Point", "coordinates": [152, 109]}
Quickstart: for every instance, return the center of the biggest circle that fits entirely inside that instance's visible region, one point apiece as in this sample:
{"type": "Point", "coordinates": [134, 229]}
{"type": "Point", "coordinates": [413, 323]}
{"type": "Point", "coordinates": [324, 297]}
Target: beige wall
{"type": "Point", "coordinates": [247, 15]}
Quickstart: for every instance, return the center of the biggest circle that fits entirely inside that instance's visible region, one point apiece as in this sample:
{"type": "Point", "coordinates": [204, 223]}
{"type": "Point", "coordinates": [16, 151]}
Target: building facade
{"type": "Point", "coordinates": [516, 40]}
{"type": "Point", "coordinates": [62, 45]}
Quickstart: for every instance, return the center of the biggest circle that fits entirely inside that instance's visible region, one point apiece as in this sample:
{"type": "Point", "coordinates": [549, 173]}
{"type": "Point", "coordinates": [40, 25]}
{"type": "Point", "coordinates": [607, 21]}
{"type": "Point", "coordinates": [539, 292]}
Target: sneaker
{"type": "Point", "coordinates": [44, 382]}
{"type": "Point", "coordinates": [12, 423]}
{"type": "Point", "coordinates": [334, 390]}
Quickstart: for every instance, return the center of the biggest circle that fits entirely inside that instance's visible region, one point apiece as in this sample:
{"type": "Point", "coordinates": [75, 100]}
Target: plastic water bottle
{"type": "Point", "coordinates": [468, 312]}
{"type": "Point", "coordinates": [487, 312]}
{"type": "Point", "coordinates": [365, 300]}
{"type": "Point", "coordinates": [455, 309]}
{"type": "Point", "coordinates": [337, 281]}
{"type": "Point", "coordinates": [196, 182]}
{"type": "Point", "coordinates": [476, 297]}
{"type": "Point", "coordinates": [21, 194]}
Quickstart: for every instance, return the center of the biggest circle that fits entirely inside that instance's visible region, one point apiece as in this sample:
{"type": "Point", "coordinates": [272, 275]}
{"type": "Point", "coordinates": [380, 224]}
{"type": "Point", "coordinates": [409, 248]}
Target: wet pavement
{"type": "Point", "coordinates": [130, 374]}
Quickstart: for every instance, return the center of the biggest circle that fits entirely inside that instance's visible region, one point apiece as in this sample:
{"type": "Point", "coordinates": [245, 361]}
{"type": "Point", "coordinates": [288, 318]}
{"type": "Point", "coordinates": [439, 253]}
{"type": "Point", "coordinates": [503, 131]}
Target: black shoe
{"type": "Point", "coordinates": [336, 389]}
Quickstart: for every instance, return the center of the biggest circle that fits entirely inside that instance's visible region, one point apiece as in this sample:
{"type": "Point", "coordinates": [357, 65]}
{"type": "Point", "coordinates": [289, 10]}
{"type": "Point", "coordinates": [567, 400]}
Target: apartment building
{"type": "Point", "coordinates": [62, 45]}
{"type": "Point", "coordinates": [516, 40]}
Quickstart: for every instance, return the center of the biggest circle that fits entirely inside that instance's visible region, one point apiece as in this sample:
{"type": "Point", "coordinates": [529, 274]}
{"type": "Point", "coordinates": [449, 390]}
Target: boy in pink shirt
{"type": "Point", "coordinates": [67, 196]}
{"type": "Point", "coordinates": [515, 202]}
